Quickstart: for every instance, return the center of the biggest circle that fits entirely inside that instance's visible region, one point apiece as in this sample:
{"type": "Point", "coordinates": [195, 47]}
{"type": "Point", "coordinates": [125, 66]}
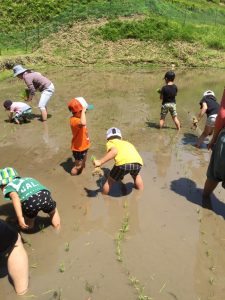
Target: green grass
{"type": "Point", "coordinates": [160, 29]}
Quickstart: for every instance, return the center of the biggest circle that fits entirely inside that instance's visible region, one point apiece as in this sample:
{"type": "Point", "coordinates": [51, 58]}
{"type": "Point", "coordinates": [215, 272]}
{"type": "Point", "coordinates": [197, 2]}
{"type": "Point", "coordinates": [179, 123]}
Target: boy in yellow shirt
{"type": "Point", "coordinates": [127, 160]}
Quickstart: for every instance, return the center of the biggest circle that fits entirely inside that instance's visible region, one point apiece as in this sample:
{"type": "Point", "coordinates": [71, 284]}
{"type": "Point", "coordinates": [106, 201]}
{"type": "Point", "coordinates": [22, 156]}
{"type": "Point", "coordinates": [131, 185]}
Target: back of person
{"type": "Point", "coordinates": [169, 93]}
{"type": "Point", "coordinates": [19, 107]}
{"type": "Point", "coordinates": [212, 105]}
{"type": "Point", "coordinates": [80, 140]}
{"type": "Point", "coordinates": [25, 187]}
{"type": "Point", "coordinates": [127, 153]}
{"type": "Point", "coordinates": [37, 80]}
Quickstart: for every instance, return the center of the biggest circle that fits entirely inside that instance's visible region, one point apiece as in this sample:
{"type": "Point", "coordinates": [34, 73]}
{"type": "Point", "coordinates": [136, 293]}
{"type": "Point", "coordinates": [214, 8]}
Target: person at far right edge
{"type": "Point", "coordinates": [216, 168]}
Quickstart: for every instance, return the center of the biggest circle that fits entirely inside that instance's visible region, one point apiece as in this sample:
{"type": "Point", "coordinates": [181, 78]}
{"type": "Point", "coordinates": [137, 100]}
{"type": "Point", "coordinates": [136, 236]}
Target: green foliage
{"type": "Point", "coordinates": [160, 29]}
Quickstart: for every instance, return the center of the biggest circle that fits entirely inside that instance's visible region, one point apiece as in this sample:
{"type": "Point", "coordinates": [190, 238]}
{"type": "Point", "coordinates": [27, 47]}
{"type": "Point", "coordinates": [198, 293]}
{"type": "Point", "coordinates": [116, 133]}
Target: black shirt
{"type": "Point", "coordinates": [168, 94]}
{"type": "Point", "coordinates": [211, 103]}
{"type": "Point", "coordinates": [8, 237]}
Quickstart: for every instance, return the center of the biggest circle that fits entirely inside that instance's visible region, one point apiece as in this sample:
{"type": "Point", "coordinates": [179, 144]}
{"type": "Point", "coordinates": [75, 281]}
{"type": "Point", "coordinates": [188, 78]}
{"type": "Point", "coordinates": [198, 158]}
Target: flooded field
{"type": "Point", "coordinates": [157, 244]}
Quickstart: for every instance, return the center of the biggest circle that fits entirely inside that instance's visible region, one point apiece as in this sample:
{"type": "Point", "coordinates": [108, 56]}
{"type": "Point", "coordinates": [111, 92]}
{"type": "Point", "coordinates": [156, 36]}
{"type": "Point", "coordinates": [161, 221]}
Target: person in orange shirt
{"type": "Point", "coordinates": [80, 142]}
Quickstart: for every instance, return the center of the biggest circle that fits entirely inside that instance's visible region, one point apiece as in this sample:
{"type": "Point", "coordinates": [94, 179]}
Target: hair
{"type": "Point", "coordinates": [114, 137]}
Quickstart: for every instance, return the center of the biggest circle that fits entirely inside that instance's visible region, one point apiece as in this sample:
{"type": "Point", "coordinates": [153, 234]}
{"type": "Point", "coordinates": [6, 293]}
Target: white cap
{"type": "Point", "coordinates": [18, 69]}
{"type": "Point", "coordinates": [113, 131]}
{"type": "Point", "coordinates": [82, 101]}
{"type": "Point", "coordinates": [209, 92]}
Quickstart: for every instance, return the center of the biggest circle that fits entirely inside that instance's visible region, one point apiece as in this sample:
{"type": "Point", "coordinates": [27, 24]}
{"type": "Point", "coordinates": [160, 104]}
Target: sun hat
{"type": "Point", "coordinates": [208, 93]}
{"type": "Point", "coordinates": [7, 104]}
{"type": "Point", "coordinates": [113, 131]}
{"type": "Point", "coordinates": [7, 175]}
{"type": "Point", "coordinates": [18, 69]}
{"type": "Point", "coordinates": [75, 106]}
{"type": "Point", "coordinates": [170, 75]}
{"type": "Point", "coordinates": [84, 103]}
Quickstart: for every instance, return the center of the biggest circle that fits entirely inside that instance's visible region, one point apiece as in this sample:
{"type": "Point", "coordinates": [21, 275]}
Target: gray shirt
{"type": "Point", "coordinates": [35, 81]}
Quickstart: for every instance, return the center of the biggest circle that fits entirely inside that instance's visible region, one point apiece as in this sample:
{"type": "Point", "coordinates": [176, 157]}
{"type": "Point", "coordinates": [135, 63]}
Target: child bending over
{"type": "Point", "coordinates": [127, 160]}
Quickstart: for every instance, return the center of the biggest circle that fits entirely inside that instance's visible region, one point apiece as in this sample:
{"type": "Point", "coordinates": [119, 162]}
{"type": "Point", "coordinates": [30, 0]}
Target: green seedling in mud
{"type": "Point", "coordinates": [120, 237]}
{"type": "Point", "coordinates": [162, 288]}
{"type": "Point", "coordinates": [89, 287]}
{"type": "Point", "coordinates": [212, 268]}
{"type": "Point", "coordinates": [139, 288]}
{"type": "Point", "coordinates": [67, 247]}
{"type": "Point", "coordinates": [97, 170]}
{"type": "Point", "coordinates": [62, 268]}
{"type": "Point", "coordinates": [34, 266]}
{"type": "Point", "coordinates": [211, 280]}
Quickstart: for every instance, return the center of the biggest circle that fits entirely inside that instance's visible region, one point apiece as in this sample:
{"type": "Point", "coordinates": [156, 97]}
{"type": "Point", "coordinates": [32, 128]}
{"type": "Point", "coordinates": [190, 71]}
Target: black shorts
{"type": "Point", "coordinates": [118, 172]}
{"type": "Point", "coordinates": [40, 201]}
{"type": "Point", "coordinates": [80, 155]}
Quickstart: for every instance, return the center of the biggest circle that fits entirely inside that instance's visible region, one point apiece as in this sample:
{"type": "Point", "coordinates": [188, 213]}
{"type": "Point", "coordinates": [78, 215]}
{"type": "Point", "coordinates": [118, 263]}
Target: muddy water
{"type": "Point", "coordinates": [174, 248]}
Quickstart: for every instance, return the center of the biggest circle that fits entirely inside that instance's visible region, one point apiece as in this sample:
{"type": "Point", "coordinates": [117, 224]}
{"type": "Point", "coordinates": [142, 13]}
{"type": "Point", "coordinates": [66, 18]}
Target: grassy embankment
{"type": "Point", "coordinates": [190, 33]}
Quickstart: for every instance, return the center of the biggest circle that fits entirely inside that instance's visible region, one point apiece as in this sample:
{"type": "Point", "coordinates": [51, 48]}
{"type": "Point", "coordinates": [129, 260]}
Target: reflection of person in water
{"type": "Point", "coordinates": [216, 168]}
{"type": "Point", "coordinates": [11, 247]}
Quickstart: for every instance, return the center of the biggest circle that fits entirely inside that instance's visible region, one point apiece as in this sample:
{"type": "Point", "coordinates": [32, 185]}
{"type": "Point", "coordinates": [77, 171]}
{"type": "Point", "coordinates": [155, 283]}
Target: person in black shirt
{"type": "Point", "coordinates": [11, 247]}
{"type": "Point", "coordinates": [210, 107]}
{"type": "Point", "coordinates": [168, 96]}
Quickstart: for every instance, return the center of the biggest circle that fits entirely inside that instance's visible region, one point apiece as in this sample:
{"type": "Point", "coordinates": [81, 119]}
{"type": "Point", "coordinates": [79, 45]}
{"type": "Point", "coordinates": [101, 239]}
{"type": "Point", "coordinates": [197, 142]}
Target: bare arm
{"type": "Point", "coordinates": [18, 209]}
{"type": "Point", "coordinates": [83, 117]}
{"type": "Point", "coordinates": [202, 111]}
{"type": "Point", "coordinates": [109, 155]}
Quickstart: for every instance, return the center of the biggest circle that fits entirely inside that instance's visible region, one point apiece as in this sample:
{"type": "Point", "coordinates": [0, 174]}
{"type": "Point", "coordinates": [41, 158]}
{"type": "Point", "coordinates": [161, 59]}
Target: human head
{"type": "Point", "coordinates": [18, 70]}
{"type": "Point", "coordinates": [208, 93]}
{"type": "Point", "coordinates": [169, 76]}
{"type": "Point", "coordinates": [7, 175]}
{"type": "Point", "coordinates": [75, 106]}
{"type": "Point", "coordinates": [7, 104]}
{"type": "Point", "coordinates": [113, 133]}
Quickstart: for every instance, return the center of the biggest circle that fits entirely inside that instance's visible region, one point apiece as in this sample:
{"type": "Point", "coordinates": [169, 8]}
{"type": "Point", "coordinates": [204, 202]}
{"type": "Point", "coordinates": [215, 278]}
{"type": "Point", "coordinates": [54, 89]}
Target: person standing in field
{"type": "Point", "coordinates": [80, 142]}
{"type": "Point", "coordinates": [168, 96]}
{"type": "Point", "coordinates": [36, 81]}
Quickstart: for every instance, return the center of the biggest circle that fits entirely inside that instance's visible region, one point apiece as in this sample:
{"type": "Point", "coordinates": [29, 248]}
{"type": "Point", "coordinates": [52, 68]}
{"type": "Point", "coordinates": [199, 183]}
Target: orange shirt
{"type": "Point", "coordinates": [80, 140]}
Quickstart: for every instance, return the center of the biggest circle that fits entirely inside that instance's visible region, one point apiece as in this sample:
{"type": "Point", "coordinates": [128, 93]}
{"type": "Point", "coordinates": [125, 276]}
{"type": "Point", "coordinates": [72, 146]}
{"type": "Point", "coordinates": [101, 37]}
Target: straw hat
{"type": "Point", "coordinates": [17, 70]}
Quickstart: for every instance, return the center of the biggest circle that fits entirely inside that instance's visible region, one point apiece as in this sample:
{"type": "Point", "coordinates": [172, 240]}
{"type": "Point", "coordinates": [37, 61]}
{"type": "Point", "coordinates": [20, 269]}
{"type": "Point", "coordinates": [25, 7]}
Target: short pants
{"type": "Point", "coordinates": [118, 172]}
{"type": "Point", "coordinates": [42, 200]}
{"type": "Point", "coordinates": [45, 96]}
{"type": "Point", "coordinates": [80, 155]}
{"type": "Point", "coordinates": [211, 120]}
{"type": "Point", "coordinates": [216, 168]}
{"type": "Point", "coordinates": [168, 107]}
{"type": "Point", "coordinates": [25, 114]}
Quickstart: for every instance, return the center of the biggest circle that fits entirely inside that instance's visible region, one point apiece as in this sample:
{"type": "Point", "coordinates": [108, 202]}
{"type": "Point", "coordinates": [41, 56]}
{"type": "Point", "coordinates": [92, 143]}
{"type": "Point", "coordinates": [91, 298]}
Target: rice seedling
{"type": "Point", "coordinates": [120, 237]}
{"type": "Point", "coordinates": [67, 247]}
{"type": "Point", "coordinates": [163, 287]}
{"type": "Point", "coordinates": [89, 287]}
{"type": "Point", "coordinates": [139, 288]}
{"type": "Point", "coordinates": [62, 268]}
{"type": "Point", "coordinates": [211, 280]}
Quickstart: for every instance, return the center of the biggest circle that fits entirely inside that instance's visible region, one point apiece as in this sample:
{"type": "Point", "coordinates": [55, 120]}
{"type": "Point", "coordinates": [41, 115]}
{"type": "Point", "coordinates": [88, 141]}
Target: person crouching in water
{"type": "Point", "coordinates": [210, 107]}
{"type": "Point", "coordinates": [28, 196]}
{"type": "Point", "coordinates": [80, 142]}
{"type": "Point", "coordinates": [127, 160]}
{"type": "Point", "coordinates": [18, 111]}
